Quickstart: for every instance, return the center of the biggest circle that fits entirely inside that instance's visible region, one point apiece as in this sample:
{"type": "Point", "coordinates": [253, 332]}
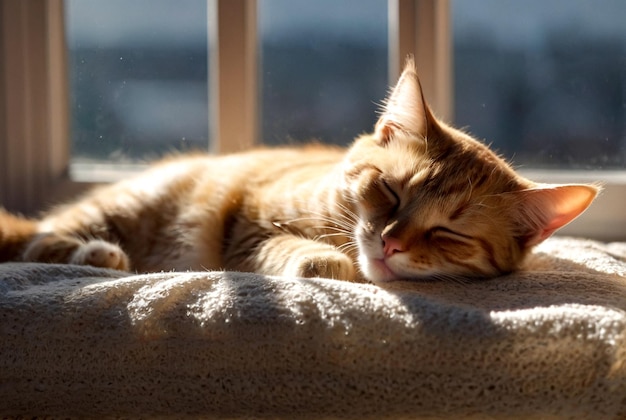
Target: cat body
{"type": "Point", "coordinates": [414, 199]}
{"type": "Point", "coordinates": [196, 212]}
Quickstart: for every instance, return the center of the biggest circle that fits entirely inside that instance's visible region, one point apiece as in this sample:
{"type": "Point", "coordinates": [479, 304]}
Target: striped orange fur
{"type": "Point", "coordinates": [414, 199]}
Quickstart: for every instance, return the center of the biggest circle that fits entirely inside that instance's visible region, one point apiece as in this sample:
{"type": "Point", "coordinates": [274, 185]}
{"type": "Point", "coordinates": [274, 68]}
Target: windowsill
{"type": "Point", "coordinates": [563, 176]}
{"type": "Point", "coordinates": [97, 173]}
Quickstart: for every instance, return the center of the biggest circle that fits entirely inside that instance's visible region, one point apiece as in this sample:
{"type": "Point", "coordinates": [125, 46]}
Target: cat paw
{"type": "Point", "coordinates": [330, 265]}
{"type": "Point", "coordinates": [101, 254]}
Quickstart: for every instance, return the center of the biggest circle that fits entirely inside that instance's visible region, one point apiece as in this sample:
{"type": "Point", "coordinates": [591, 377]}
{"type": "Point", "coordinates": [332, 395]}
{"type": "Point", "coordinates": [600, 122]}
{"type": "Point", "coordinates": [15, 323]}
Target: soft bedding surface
{"type": "Point", "coordinates": [546, 342]}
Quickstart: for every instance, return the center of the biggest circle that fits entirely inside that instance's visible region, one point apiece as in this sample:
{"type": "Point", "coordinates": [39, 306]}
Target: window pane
{"type": "Point", "coordinates": [323, 68]}
{"type": "Point", "coordinates": [138, 76]}
{"type": "Point", "coordinates": [543, 80]}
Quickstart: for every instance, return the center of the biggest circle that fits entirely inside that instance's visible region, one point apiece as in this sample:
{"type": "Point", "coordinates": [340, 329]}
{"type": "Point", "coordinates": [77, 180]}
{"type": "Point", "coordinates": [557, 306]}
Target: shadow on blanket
{"type": "Point", "coordinates": [548, 341]}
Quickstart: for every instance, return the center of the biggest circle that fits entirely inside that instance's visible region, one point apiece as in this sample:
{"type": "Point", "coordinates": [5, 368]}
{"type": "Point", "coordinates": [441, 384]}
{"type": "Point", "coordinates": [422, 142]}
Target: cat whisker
{"type": "Point", "coordinates": [318, 217]}
{"type": "Point", "coordinates": [339, 233]}
{"type": "Point", "coordinates": [345, 214]}
{"type": "Point", "coordinates": [349, 214]}
{"type": "Point", "coordinates": [331, 223]}
{"type": "Point", "coordinates": [349, 246]}
{"type": "Point", "coordinates": [335, 229]}
{"type": "Point", "coordinates": [339, 218]}
{"type": "Point", "coordinates": [349, 250]}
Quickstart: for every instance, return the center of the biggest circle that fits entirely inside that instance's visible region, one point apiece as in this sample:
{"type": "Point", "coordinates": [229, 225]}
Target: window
{"type": "Point", "coordinates": [138, 78]}
{"type": "Point", "coordinates": [545, 83]}
{"type": "Point", "coordinates": [323, 67]}
{"type": "Point", "coordinates": [506, 88]}
{"type": "Point", "coordinates": [138, 75]}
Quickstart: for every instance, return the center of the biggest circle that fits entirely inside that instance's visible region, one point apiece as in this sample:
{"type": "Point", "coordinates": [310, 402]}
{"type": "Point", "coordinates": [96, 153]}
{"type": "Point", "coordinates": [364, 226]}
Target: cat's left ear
{"type": "Point", "coordinates": [405, 108]}
{"type": "Point", "coordinates": [546, 208]}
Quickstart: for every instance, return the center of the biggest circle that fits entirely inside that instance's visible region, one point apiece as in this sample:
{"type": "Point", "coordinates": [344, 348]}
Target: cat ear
{"type": "Point", "coordinates": [546, 208]}
{"type": "Point", "coordinates": [405, 108]}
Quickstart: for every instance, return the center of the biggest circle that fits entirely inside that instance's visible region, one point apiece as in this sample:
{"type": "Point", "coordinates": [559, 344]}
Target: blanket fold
{"type": "Point", "coordinates": [546, 342]}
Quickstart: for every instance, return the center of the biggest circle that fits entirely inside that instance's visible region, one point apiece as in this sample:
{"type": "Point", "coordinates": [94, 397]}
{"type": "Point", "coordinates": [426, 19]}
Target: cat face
{"type": "Point", "coordinates": [433, 202]}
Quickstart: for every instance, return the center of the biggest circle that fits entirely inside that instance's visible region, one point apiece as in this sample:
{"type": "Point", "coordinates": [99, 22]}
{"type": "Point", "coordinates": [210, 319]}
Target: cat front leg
{"type": "Point", "coordinates": [294, 256]}
{"type": "Point", "coordinates": [66, 249]}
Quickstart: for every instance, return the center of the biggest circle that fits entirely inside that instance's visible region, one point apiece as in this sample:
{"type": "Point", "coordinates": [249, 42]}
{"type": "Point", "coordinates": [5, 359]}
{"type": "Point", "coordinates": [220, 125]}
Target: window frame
{"type": "Point", "coordinates": [34, 98]}
{"type": "Point", "coordinates": [33, 103]}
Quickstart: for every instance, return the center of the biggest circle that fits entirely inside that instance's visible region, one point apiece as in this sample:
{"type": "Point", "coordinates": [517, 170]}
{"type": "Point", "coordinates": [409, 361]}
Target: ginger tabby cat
{"type": "Point", "coordinates": [415, 199]}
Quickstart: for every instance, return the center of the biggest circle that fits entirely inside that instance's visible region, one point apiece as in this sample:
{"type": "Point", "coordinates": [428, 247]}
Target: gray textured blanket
{"type": "Point", "coordinates": [546, 342]}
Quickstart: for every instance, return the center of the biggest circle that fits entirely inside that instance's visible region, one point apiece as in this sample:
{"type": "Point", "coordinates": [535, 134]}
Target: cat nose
{"type": "Point", "coordinates": [391, 245]}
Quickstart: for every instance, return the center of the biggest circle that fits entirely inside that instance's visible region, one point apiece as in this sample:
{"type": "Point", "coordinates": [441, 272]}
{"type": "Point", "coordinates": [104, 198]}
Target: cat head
{"type": "Point", "coordinates": [432, 201]}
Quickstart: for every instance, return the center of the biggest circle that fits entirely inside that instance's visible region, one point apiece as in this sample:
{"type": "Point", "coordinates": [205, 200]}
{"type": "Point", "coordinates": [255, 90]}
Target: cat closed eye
{"type": "Point", "coordinates": [390, 193]}
{"type": "Point", "coordinates": [447, 232]}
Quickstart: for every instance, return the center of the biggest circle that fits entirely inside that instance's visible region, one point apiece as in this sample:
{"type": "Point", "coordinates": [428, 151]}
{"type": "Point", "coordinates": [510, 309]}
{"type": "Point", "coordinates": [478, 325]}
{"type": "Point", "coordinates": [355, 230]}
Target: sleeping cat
{"type": "Point", "coordinates": [414, 199]}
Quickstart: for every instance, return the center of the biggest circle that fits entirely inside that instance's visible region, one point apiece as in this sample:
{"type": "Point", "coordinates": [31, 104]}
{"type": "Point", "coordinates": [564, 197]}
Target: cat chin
{"type": "Point", "coordinates": [376, 270]}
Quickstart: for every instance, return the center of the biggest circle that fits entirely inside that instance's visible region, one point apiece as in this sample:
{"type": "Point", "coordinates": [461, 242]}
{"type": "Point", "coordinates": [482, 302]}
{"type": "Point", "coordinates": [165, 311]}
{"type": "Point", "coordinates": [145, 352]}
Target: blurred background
{"type": "Point", "coordinates": [544, 84]}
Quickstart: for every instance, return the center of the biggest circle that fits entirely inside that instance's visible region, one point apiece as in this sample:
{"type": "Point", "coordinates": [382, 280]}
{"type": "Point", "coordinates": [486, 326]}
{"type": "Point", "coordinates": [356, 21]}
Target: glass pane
{"type": "Point", "coordinates": [323, 68]}
{"type": "Point", "coordinates": [544, 80]}
{"type": "Point", "coordinates": [138, 77]}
